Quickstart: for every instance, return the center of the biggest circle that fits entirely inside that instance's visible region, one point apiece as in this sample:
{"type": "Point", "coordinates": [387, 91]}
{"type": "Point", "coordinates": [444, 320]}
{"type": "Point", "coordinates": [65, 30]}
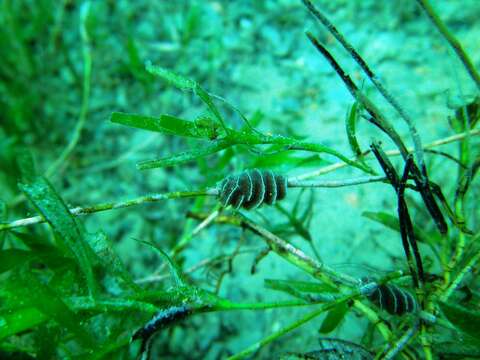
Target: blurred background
{"type": "Point", "coordinates": [254, 54]}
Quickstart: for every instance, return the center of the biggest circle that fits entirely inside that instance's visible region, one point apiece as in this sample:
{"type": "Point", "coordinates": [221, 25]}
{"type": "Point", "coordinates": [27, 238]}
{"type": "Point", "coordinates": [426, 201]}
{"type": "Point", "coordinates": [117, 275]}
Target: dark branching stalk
{"type": "Point", "coordinates": [406, 226]}
{"type": "Point", "coordinates": [379, 120]}
{"type": "Point", "coordinates": [375, 117]}
{"type": "Point", "coordinates": [374, 79]}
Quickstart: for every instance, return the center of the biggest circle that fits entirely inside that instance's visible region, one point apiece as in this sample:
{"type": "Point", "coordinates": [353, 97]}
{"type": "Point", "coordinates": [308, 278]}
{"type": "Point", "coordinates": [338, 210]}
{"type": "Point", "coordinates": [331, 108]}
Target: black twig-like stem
{"type": "Point", "coordinates": [392, 176]}
{"type": "Point", "coordinates": [406, 221]}
{"type": "Point", "coordinates": [374, 79]}
{"type": "Point", "coordinates": [379, 120]}
{"type": "Point", "coordinates": [375, 116]}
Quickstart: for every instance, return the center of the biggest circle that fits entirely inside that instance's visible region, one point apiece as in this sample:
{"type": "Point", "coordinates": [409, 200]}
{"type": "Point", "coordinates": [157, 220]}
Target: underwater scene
{"type": "Point", "coordinates": [290, 179]}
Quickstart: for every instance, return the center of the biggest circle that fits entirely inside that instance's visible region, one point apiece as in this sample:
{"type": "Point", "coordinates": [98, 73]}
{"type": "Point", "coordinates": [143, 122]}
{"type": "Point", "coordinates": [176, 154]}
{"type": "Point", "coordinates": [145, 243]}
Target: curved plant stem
{"type": "Point", "coordinates": [339, 165]}
{"type": "Point", "coordinates": [426, 345]}
{"type": "Point", "coordinates": [297, 257]}
{"type": "Point", "coordinates": [456, 281]}
{"type": "Point", "coordinates": [157, 276]}
{"type": "Point", "coordinates": [294, 182]}
{"type": "Point", "coordinates": [186, 239]}
{"type": "Point", "coordinates": [373, 317]}
{"type": "Point", "coordinates": [87, 70]}
{"type": "Point", "coordinates": [272, 337]}
{"type": "Point", "coordinates": [452, 40]}
{"type": "Point", "coordinates": [110, 206]}
{"type": "Point", "coordinates": [401, 343]}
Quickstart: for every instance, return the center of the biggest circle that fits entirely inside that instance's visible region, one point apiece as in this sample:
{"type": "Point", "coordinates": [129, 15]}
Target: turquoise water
{"type": "Point", "coordinates": [131, 114]}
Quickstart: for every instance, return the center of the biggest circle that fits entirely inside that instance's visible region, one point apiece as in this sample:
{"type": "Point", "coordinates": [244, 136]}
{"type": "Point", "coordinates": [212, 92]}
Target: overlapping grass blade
{"type": "Point", "coordinates": [50, 205]}
{"type": "Point", "coordinates": [184, 157]}
{"type": "Point", "coordinates": [464, 319]}
{"type": "Point", "coordinates": [109, 258]}
{"type": "Point", "coordinates": [3, 217]}
{"type": "Point", "coordinates": [334, 318]}
{"type": "Point", "coordinates": [165, 124]}
{"type": "Point", "coordinates": [17, 321]}
{"type": "Point", "coordinates": [286, 160]}
{"type": "Point", "coordinates": [11, 258]}
{"type": "Point", "coordinates": [350, 125]}
{"type": "Point", "coordinates": [392, 223]}
{"type": "Point", "coordinates": [176, 80]}
{"type": "Point", "coordinates": [186, 84]}
{"type": "Point", "coordinates": [300, 286]}
{"type": "Point", "coordinates": [29, 291]}
{"type": "Point", "coordinates": [175, 270]}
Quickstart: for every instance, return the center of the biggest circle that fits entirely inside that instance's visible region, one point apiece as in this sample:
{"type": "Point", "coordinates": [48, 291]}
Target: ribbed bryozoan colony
{"type": "Point", "coordinates": [393, 299]}
{"type": "Point", "coordinates": [252, 188]}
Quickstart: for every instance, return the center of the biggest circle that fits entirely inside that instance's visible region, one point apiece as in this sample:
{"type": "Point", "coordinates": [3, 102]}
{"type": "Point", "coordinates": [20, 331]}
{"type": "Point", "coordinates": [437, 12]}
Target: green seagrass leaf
{"type": "Point", "coordinates": [466, 320]}
{"type": "Point", "coordinates": [49, 204]}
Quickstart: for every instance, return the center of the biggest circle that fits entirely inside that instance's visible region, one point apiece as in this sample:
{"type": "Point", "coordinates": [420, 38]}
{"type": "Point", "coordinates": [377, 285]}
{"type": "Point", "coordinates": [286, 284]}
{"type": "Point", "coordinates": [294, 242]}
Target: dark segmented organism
{"type": "Point", "coordinates": [161, 320]}
{"type": "Point", "coordinates": [394, 300]}
{"type": "Point", "coordinates": [252, 188]}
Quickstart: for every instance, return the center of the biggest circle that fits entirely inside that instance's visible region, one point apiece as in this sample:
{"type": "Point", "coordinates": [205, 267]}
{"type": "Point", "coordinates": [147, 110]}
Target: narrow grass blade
{"type": "Point", "coordinates": [183, 157]}
{"type": "Point", "coordinates": [30, 291]}
{"type": "Point", "coordinates": [301, 286]}
{"type": "Point", "coordinates": [164, 124]}
{"type": "Point", "coordinates": [103, 247]}
{"type": "Point", "coordinates": [286, 160]}
{"type": "Point", "coordinates": [391, 222]}
{"type": "Point", "coordinates": [466, 116]}
{"type": "Point", "coordinates": [3, 218]}
{"type": "Point", "coordinates": [175, 270]}
{"type": "Point", "coordinates": [187, 84]}
{"type": "Point", "coordinates": [26, 164]}
{"type": "Point", "coordinates": [17, 321]}
{"type": "Point", "coordinates": [12, 258]}
{"type": "Point", "coordinates": [176, 80]}
{"type": "Point", "coordinates": [334, 318]}
{"type": "Point", "coordinates": [464, 319]}
{"type": "Point", "coordinates": [207, 99]}
{"type": "Point", "coordinates": [350, 125]}
{"type": "Point", "coordinates": [50, 205]}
